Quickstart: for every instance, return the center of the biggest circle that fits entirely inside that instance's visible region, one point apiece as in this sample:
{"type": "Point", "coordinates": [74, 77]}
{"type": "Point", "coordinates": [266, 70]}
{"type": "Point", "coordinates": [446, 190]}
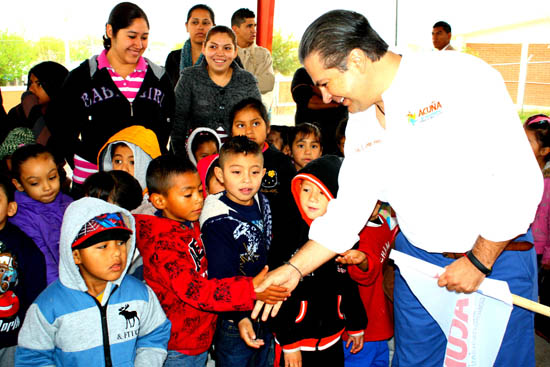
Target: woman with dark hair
{"type": "Point", "coordinates": [111, 91]}
{"type": "Point", "coordinates": [206, 93]}
{"type": "Point", "coordinates": [200, 18]}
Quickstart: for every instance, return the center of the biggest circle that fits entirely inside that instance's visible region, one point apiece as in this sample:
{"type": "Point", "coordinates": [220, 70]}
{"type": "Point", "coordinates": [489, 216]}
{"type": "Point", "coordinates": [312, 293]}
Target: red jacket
{"type": "Point", "coordinates": [374, 241]}
{"type": "Point", "coordinates": [175, 267]}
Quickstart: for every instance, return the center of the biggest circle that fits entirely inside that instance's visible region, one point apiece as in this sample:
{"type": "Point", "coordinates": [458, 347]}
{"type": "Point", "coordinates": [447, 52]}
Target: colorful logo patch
{"type": "Point", "coordinates": [426, 113]}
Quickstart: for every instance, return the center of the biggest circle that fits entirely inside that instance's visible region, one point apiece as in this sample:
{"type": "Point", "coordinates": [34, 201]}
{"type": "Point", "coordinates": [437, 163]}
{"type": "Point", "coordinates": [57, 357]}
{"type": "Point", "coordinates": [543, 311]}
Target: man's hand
{"type": "Point", "coordinates": [246, 330]}
{"type": "Point", "coordinates": [461, 276]}
{"type": "Point", "coordinates": [357, 345]}
{"type": "Point", "coordinates": [273, 293]}
{"type": "Point", "coordinates": [293, 359]}
{"type": "Point", "coordinates": [284, 276]}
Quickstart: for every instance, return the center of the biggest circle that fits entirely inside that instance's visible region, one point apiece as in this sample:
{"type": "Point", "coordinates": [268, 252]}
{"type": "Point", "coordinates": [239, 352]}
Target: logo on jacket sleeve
{"type": "Point", "coordinates": [197, 253]}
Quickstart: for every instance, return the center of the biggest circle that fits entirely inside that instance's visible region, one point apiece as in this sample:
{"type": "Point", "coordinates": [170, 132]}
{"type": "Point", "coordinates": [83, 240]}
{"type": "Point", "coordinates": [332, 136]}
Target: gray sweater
{"type": "Point", "coordinates": [202, 103]}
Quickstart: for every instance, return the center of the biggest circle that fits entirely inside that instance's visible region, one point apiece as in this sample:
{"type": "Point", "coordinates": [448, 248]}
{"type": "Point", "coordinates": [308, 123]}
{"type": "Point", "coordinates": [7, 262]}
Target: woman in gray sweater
{"type": "Point", "coordinates": [206, 93]}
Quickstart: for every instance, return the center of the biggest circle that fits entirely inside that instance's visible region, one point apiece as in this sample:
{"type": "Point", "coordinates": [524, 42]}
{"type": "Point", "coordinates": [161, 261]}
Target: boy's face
{"type": "Point", "coordinates": [183, 201]}
{"type": "Point", "coordinates": [7, 209]}
{"type": "Point", "coordinates": [305, 149]}
{"type": "Point", "coordinates": [274, 138]}
{"type": "Point", "coordinates": [102, 262]}
{"type": "Point", "coordinates": [250, 123]}
{"type": "Point", "coordinates": [123, 159]}
{"type": "Point", "coordinates": [312, 200]}
{"type": "Point", "coordinates": [242, 176]}
{"type": "Point", "coordinates": [39, 178]}
{"type": "Point", "coordinates": [205, 149]}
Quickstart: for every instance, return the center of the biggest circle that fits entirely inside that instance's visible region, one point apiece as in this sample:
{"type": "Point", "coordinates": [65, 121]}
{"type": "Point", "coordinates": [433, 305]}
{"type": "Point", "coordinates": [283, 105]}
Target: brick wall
{"type": "Point", "coordinates": [535, 94]}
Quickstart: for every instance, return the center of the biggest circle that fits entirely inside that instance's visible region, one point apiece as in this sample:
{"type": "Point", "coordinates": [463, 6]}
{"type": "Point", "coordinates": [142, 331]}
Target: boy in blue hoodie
{"type": "Point", "coordinates": [95, 314]}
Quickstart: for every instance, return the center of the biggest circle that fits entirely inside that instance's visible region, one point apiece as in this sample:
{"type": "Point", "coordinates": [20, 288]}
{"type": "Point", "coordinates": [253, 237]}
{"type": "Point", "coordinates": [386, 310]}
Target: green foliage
{"type": "Point", "coordinates": [83, 49]}
{"type": "Point", "coordinates": [524, 114]}
{"type": "Point", "coordinates": [16, 57]}
{"type": "Point", "coordinates": [50, 49]}
{"type": "Point", "coordinates": [285, 54]}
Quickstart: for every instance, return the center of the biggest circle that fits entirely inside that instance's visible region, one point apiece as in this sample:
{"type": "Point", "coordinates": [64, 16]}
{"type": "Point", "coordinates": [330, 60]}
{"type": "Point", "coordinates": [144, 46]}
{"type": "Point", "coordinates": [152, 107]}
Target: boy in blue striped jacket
{"type": "Point", "coordinates": [95, 314]}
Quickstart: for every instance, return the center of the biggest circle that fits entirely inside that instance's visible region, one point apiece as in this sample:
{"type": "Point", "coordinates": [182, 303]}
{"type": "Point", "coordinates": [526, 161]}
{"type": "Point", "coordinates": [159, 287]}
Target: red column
{"type": "Point", "coordinates": [264, 34]}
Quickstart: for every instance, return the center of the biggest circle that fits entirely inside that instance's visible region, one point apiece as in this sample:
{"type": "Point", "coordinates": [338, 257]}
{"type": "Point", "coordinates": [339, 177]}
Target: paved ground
{"type": "Point", "coordinates": [542, 352]}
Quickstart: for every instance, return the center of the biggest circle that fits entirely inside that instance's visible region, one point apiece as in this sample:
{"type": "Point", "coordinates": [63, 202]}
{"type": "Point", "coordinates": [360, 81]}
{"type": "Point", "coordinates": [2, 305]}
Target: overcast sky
{"type": "Point", "coordinates": [75, 19]}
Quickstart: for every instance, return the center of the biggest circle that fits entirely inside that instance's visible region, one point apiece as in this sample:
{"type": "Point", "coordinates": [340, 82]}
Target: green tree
{"type": "Point", "coordinates": [81, 50]}
{"type": "Point", "coordinates": [16, 57]}
{"type": "Point", "coordinates": [50, 49]}
{"type": "Point", "coordinates": [285, 54]}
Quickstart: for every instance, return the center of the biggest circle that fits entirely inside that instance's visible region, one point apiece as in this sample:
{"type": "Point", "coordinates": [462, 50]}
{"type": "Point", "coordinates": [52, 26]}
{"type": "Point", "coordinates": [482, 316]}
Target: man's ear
{"type": "Point", "coordinates": [76, 257]}
{"type": "Point", "coordinates": [12, 208]}
{"type": "Point", "coordinates": [219, 174]}
{"type": "Point", "coordinates": [17, 185]}
{"type": "Point", "coordinates": [357, 59]}
{"type": "Point", "coordinates": [263, 172]}
{"type": "Point", "coordinates": [545, 151]}
{"type": "Point", "coordinates": [158, 201]}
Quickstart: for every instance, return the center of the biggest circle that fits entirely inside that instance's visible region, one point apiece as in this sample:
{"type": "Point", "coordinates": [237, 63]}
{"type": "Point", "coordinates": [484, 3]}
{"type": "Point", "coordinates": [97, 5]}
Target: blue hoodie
{"type": "Point", "coordinates": [66, 326]}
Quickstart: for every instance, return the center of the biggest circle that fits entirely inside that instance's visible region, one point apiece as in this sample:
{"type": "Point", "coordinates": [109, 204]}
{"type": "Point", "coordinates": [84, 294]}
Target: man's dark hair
{"type": "Point", "coordinates": [252, 103]}
{"type": "Point", "coordinates": [239, 145]}
{"type": "Point", "coordinates": [7, 187]}
{"type": "Point", "coordinates": [446, 27]}
{"type": "Point", "coordinates": [240, 16]}
{"type": "Point", "coordinates": [336, 33]}
{"type": "Point", "coordinates": [202, 7]}
{"type": "Point", "coordinates": [161, 170]}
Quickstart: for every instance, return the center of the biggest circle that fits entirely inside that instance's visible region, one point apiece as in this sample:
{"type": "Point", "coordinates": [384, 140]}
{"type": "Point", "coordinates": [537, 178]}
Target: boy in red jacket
{"type": "Point", "coordinates": [175, 265]}
{"type": "Point", "coordinates": [365, 266]}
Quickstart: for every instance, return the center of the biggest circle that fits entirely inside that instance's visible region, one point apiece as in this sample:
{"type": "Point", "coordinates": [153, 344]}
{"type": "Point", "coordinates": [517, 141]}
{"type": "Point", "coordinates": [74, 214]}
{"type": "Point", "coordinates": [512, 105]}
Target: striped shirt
{"type": "Point", "coordinates": [130, 85]}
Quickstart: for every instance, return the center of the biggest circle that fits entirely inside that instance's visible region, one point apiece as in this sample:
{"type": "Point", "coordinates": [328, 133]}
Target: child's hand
{"type": "Point", "coordinates": [273, 293]}
{"type": "Point", "coordinates": [248, 335]}
{"type": "Point", "coordinates": [293, 359]}
{"type": "Point", "coordinates": [357, 343]}
{"type": "Point", "coordinates": [354, 257]}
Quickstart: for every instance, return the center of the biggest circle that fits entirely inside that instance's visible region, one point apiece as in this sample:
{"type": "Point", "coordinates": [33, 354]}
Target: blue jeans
{"type": "Point", "coordinates": [419, 341]}
{"type": "Point", "coordinates": [373, 354]}
{"type": "Point", "coordinates": [177, 359]}
{"type": "Point", "coordinates": [232, 351]}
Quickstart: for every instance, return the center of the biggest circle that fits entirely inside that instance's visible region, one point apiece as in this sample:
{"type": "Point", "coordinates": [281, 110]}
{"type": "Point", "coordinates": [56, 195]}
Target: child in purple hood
{"type": "Point", "coordinates": [40, 204]}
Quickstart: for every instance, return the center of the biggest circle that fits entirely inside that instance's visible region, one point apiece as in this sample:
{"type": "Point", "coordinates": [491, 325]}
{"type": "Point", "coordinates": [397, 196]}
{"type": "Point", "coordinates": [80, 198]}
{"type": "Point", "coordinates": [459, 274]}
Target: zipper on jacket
{"type": "Point", "coordinates": [131, 109]}
{"type": "Point", "coordinates": [105, 330]}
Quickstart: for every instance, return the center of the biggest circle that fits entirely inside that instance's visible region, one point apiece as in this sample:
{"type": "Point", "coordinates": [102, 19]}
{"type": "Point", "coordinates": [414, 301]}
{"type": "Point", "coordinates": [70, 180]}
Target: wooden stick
{"type": "Point", "coordinates": [531, 305]}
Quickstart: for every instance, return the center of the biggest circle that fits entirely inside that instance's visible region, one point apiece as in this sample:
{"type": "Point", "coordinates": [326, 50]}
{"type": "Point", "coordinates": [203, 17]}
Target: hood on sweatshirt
{"type": "Point", "coordinates": [76, 216]}
{"type": "Point", "coordinates": [323, 173]}
{"type": "Point", "coordinates": [144, 145]}
{"type": "Point", "coordinates": [197, 132]}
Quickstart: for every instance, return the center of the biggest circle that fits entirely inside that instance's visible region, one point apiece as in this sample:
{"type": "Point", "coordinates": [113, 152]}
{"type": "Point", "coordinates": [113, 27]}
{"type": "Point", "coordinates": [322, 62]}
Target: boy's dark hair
{"type": "Point", "coordinates": [116, 145]}
{"type": "Point", "coordinates": [341, 130]}
{"type": "Point", "coordinates": [335, 34]}
{"type": "Point", "coordinates": [161, 170]}
{"type": "Point", "coordinates": [202, 7]}
{"type": "Point", "coordinates": [252, 103]}
{"type": "Point", "coordinates": [7, 186]}
{"type": "Point", "coordinates": [446, 27]}
{"type": "Point", "coordinates": [117, 187]}
{"type": "Point", "coordinates": [541, 130]}
{"type": "Point", "coordinates": [239, 145]}
{"type": "Point", "coordinates": [240, 16]}
{"type": "Point", "coordinates": [304, 129]}
{"type": "Point", "coordinates": [201, 138]}
{"type": "Point", "coordinates": [22, 154]}
{"type": "Point", "coordinates": [122, 16]}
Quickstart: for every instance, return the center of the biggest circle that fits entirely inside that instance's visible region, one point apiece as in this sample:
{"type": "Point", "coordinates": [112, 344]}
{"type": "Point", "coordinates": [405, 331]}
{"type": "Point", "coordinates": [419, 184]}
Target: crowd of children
{"type": "Point", "coordinates": [155, 258]}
